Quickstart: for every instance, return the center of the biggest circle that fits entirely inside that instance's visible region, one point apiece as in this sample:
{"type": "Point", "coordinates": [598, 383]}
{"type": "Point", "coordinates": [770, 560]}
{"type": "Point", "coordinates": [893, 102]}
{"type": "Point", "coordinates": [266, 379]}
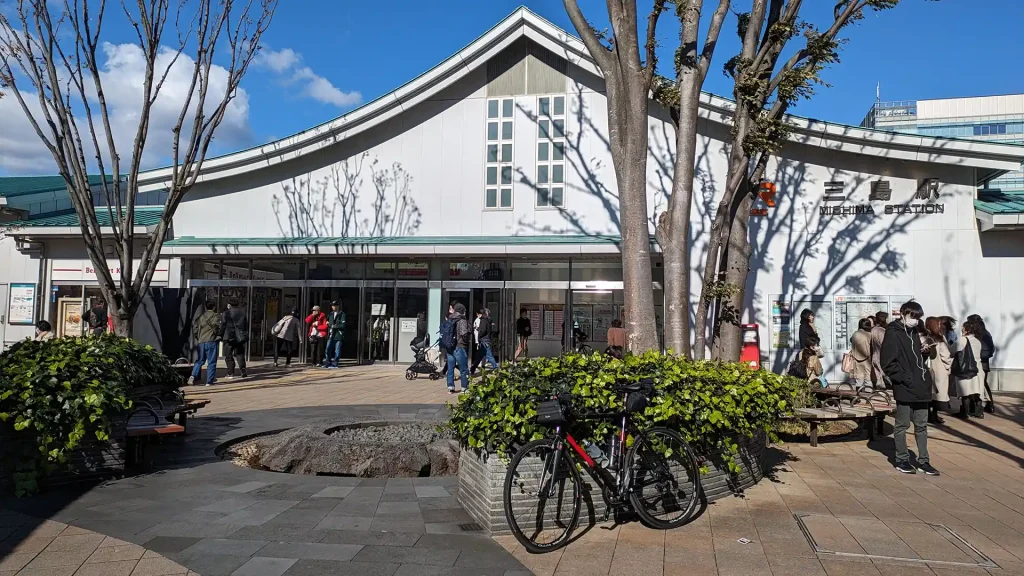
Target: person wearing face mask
{"type": "Point", "coordinates": [970, 381]}
{"type": "Point", "coordinates": [44, 331]}
{"type": "Point", "coordinates": [903, 364]}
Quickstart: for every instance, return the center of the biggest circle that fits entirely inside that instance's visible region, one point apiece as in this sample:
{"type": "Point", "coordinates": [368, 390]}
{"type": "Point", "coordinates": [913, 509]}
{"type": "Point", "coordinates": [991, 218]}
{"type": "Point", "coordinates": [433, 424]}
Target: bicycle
{"type": "Point", "coordinates": [579, 343]}
{"type": "Point", "coordinates": [658, 458]}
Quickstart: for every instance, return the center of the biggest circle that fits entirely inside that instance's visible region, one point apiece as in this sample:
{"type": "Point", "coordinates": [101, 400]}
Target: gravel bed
{"type": "Point", "coordinates": [405, 433]}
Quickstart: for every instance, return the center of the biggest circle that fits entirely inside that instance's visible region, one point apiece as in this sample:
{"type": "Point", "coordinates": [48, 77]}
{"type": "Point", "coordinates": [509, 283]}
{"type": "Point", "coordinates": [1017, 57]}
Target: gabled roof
{"type": "Point", "coordinates": [992, 159]}
{"type": "Point", "coordinates": [14, 186]}
{"type": "Point", "coordinates": [66, 222]}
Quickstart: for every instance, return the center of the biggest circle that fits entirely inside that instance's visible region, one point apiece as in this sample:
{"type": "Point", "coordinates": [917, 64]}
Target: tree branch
{"type": "Point", "coordinates": [711, 40]}
{"type": "Point", "coordinates": [651, 45]}
{"type": "Point", "coordinates": [601, 54]}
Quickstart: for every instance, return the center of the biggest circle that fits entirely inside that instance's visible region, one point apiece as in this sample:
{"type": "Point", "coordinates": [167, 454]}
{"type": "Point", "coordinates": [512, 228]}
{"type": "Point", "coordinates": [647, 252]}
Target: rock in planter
{"type": "Point", "coordinates": [482, 479]}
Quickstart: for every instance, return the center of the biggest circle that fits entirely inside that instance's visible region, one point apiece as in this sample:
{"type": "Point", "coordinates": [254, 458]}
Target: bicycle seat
{"type": "Point", "coordinates": [643, 385]}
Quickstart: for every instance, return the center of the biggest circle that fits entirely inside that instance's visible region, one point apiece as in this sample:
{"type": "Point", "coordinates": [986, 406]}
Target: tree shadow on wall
{"type": "Point", "coordinates": [341, 203]}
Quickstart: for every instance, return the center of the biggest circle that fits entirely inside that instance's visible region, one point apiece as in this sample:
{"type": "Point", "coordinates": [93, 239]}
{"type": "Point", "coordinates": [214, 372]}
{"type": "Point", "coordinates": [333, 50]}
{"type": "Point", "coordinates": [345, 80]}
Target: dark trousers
{"type": "Point", "coordinates": [916, 413]}
{"type": "Point", "coordinates": [316, 350]}
{"type": "Point", "coordinates": [289, 350]}
{"type": "Point", "coordinates": [235, 353]}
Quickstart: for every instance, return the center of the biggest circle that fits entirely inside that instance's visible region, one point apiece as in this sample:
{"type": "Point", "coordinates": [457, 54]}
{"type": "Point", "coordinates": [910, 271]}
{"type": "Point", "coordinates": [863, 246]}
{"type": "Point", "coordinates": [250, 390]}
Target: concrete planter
{"type": "Point", "coordinates": [482, 478]}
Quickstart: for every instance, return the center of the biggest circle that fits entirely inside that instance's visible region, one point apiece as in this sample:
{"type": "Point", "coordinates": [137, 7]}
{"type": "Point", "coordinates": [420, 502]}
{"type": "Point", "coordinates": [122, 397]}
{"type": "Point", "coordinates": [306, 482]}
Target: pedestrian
{"type": "Point", "coordinates": [616, 340]}
{"type": "Point", "coordinates": [877, 335]}
{"type": "Point", "coordinates": [456, 337]}
{"type": "Point", "coordinates": [904, 367]}
{"type": "Point", "coordinates": [286, 336]}
{"type": "Point", "coordinates": [207, 330]}
{"type": "Point", "coordinates": [44, 331]}
{"type": "Point", "coordinates": [96, 318]}
{"type": "Point", "coordinates": [807, 365]}
{"type": "Point", "coordinates": [317, 333]}
{"type": "Point", "coordinates": [482, 331]}
{"type": "Point", "coordinates": [523, 332]}
{"type": "Point", "coordinates": [336, 322]}
{"type": "Point", "coordinates": [949, 325]}
{"type": "Point", "coordinates": [235, 326]}
{"type": "Point", "coordinates": [940, 360]}
{"type": "Point", "coordinates": [857, 362]}
{"type": "Point", "coordinates": [422, 340]}
{"type": "Point", "coordinates": [970, 380]}
{"type": "Point", "coordinates": [807, 328]}
{"type": "Point", "coordinates": [988, 350]}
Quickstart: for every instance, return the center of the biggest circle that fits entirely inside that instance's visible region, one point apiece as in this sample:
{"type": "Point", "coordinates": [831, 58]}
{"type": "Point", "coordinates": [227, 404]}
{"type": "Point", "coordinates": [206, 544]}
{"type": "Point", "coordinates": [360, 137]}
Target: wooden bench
{"type": "Point", "coordinates": [868, 407]}
{"type": "Point", "coordinates": [143, 426]}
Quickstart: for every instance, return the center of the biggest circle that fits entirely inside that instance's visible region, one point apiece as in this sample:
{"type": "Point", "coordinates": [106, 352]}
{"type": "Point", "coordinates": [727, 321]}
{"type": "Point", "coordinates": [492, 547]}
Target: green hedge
{"type": "Point", "coordinates": [57, 394]}
{"type": "Point", "coordinates": [709, 403]}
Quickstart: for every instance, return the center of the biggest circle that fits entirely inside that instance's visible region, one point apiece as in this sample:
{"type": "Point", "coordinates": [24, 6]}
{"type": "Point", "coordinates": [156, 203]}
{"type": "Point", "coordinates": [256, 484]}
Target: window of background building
{"type": "Point", "coordinates": [500, 129]}
{"type": "Point", "coordinates": [550, 151]}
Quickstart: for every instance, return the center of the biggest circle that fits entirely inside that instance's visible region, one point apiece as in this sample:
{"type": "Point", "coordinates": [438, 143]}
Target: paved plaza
{"type": "Point", "coordinates": [198, 514]}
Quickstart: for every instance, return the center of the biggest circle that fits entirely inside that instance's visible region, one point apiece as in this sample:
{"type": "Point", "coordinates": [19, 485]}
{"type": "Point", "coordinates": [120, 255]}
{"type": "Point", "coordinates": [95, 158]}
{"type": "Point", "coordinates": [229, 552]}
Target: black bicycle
{"type": "Point", "coordinates": [652, 472]}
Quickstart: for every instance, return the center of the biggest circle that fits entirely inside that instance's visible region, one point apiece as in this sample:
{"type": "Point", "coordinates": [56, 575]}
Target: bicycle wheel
{"type": "Point", "coordinates": [665, 478]}
{"type": "Point", "coordinates": [586, 350]}
{"type": "Point", "coordinates": [542, 504]}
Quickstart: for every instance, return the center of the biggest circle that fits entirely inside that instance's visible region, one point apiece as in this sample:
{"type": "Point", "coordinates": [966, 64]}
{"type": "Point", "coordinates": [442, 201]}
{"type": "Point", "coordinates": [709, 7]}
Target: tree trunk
{"type": "Point", "coordinates": [728, 335]}
{"type": "Point", "coordinates": [124, 323]}
{"type": "Point", "coordinates": [636, 242]}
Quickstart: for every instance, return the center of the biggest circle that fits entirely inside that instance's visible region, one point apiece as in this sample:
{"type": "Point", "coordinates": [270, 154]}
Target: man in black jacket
{"type": "Point", "coordinates": [904, 367]}
{"type": "Point", "coordinates": [236, 333]}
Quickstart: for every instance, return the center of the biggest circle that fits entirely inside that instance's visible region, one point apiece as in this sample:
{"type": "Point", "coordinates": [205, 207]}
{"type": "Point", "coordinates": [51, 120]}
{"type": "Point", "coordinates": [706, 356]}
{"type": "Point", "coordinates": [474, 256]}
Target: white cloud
{"type": "Point", "coordinates": [122, 74]}
{"type": "Point", "coordinates": [287, 64]}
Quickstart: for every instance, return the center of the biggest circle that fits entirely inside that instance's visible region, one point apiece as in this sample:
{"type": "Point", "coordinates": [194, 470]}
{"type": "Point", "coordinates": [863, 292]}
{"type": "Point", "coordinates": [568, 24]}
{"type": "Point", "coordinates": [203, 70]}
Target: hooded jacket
{"type": "Point", "coordinates": [904, 366]}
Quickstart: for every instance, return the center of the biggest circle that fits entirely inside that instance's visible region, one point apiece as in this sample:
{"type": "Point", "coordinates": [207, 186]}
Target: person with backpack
{"type": "Point", "coordinates": [286, 335]}
{"type": "Point", "coordinates": [482, 329]}
{"type": "Point", "coordinates": [206, 329]}
{"type": "Point", "coordinates": [806, 365]}
{"type": "Point", "coordinates": [97, 318]}
{"type": "Point", "coordinates": [970, 380]}
{"type": "Point", "coordinates": [903, 363]}
{"type": "Point", "coordinates": [235, 325]}
{"type": "Point", "coordinates": [456, 338]}
{"type": "Point", "coordinates": [988, 350]}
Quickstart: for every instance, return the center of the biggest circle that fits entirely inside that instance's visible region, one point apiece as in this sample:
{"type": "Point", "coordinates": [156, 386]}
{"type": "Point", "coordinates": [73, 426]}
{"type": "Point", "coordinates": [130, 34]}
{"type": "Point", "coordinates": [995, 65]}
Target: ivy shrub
{"type": "Point", "coordinates": [57, 394]}
{"type": "Point", "coordinates": [711, 404]}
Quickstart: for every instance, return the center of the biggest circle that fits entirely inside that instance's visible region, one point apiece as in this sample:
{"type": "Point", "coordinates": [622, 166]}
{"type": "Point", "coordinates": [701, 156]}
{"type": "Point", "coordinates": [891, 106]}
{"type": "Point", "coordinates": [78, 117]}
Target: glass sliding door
{"type": "Point", "coordinates": [378, 321]}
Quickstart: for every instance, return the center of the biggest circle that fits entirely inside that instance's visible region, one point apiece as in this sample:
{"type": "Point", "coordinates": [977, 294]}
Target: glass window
{"type": "Point", "coordinates": [237, 270]}
{"type": "Point", "coordinates": [381, 270]}
{"type": "Point", "coordinates": [550, 151]}
{"type": "Point", "coordinates": [66, 311]}
{"type": "Point", "coordinates": [339, 269]}
{"type": "Point", "coordinates": [506, 197]}
{"type": "Point", "coordinates": [500, 154]}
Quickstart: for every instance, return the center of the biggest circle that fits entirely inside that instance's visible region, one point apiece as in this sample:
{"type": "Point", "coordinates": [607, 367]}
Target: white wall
{"type": "Point", "coordinates": [16, 267]}
{"type": "Point", "coordinates": [964, 107]}
{"type": "Point", "coordinates": [941, 259]}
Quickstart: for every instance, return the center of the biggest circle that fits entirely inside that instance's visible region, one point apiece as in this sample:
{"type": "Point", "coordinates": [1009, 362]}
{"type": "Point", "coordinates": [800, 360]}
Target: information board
{"type": "Point", "coordinates": [850, 310]}
{"type": "Point", "coordinates": [22, 306]}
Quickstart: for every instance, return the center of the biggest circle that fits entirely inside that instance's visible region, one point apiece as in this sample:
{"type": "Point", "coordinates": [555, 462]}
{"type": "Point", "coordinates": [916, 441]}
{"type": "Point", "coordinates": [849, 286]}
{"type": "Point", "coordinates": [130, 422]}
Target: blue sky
{"type": "Point", "coordinates": [919, 50]}
{"type": "Point", "coordinates": [323, 58]}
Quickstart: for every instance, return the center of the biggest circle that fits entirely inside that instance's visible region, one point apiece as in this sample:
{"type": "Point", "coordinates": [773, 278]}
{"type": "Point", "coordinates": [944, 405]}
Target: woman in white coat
{"type": "Point", "coordinates": [940, 360]}
{"type": "Point", "coordinates": [970, 389]}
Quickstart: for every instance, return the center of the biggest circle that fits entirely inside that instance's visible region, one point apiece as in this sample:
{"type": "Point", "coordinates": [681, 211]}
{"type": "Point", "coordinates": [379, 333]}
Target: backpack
{"type": "Point", "coordinates": [965, 366]}
{"type": "Point", "coordinates": [797, 369]}
{"type": "Point", "coordinates": [449, 334]}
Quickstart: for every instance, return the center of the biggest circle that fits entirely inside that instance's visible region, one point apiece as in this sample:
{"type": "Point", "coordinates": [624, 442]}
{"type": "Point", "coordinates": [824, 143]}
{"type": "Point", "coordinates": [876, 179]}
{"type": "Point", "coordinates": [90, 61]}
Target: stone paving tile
{"type": "Point", "coordinates": [324, 567]}
{"type": "Point", "coordinates": [119, 568]}
{"type": "Point", "coordinates": [877, 539]}
{"type": "Point", "coordinates": [278, 533]}
{"type": "Point", "coordinates": [48, 571]}
{"type": "Point", "coordinates": [170, 544]}
{"type": "Point", "coordinates": [158, 567]}
{"type": "Point", "coordinates": [407, 555]}
{"type": "Point", "coordinates": [787, 566]}
{"type": "Point", "coordinates": [60, 558]}
{"type": "Point", "coordinates": [224, 547]}
{"type": "Point", "coordinates": [311, 551]}
{"type": "Point", "coordinates": [258, 513]}
{"type": "Point", "coordinates": [431, 492]}
{"type": "Point", "coordinates": [116, 553]}
{"type": "Point", "coordinates": [365, 537]}
{"type": "Point", "coordinates": [333, 492]}
{"type": "Point", "coordinates": [261, 566]}
{"type": "Point", "coordinates": [246, 487]}
{"type": "Point", "coordinates": [340, 522]}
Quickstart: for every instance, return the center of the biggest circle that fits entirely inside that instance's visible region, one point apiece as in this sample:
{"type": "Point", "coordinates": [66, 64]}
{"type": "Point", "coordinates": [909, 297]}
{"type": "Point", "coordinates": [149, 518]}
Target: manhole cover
{"type": "Point", "coordinates": [905, 541]}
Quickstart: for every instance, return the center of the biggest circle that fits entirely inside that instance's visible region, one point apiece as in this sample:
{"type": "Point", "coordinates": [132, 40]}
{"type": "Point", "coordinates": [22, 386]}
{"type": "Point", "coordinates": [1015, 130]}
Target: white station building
{"type": "Point", "coordinates": [488, 180]}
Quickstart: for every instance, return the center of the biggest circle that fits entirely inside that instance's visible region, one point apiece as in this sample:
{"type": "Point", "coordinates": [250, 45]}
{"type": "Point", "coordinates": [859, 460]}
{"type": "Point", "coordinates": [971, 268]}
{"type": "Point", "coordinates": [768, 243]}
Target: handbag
{"type": "Point", "coordinates": [848, 363]}
{"type": "Point", "coordinates": [965, 366]}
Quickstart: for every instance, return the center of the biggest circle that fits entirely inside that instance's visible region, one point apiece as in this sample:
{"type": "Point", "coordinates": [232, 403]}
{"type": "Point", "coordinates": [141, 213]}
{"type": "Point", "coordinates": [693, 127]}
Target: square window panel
{"type": "Point", "coordinates": [542, 174]}
{"type": "Point", "coordinates": [506, 174]}
{"type": "Point", "coordinates": [492, 175]}
{"type": "Point", "coordinates": [542, 152]}
{"type": "Point", "coordinates": [542, 197]}
{"type": "Point", "coordinates": [542, 129]}
{"type": "Point", "coordinates": [556, 173]}
{"type": "Point", "coordinates": [559, 151]}
{"type": "Point", "coordinates": [492, 152]}
{"type": "Point", "coordinates": [544, 106]}
{"type": "Point", "coordinates": [506, 108]}
{"type": "Point", "coordinates": [506, 197]}
{"type": "Point", "coordinates": [559, 105]}
{"type": "Point", "coordinates": [492, 130]}
{"type": "Point", "coordinates": [506, 130]}
{"type": "Point", "coordinates": [559, 126]}
{"type": "Point", "coordinates": [492, 109]}
{"type": "Point", "coordinates": [492, 197]}
{"type": "Point", "coordinates": [506, 152]}
{"type": "Point", "coordinates": [557, 196]}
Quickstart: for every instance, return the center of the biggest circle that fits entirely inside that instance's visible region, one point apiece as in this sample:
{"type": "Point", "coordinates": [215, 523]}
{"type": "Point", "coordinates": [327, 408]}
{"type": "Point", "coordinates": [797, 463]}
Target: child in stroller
{"type": "Point", "coordinates": [423, 364]}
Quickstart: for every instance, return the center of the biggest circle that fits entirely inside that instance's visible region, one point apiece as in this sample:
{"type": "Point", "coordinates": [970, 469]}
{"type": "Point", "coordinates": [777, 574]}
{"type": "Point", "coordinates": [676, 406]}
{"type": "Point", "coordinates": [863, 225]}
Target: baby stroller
{"type": "Point", "coordinates": [422, 365]}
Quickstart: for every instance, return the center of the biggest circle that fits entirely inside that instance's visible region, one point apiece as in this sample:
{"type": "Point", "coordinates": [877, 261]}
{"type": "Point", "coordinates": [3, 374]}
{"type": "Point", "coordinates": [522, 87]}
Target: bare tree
{"type": "Point", "coordinates": [628, 84]}
{"type": "Point", "coordinates": [683, 99]}
{"type": "Point", "coordinates": [51, 46]}
{"type": "Point", "coordinates": [764, 89]}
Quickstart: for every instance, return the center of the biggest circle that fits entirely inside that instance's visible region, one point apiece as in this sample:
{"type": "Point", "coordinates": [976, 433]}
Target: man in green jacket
{"type": "Point", "coordinates": [206, 330]}
{"type": "Point", "coordinates": [336, 322]}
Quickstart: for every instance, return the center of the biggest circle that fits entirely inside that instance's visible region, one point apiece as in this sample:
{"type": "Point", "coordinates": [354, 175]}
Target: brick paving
{"type": "Point", "coordinates": [215, 518]}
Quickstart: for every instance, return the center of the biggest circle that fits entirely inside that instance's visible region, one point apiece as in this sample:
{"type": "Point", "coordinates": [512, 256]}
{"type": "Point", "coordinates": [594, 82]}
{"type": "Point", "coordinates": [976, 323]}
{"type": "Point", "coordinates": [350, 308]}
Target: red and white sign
{"type": "Point", "coordinates": [83, 271]}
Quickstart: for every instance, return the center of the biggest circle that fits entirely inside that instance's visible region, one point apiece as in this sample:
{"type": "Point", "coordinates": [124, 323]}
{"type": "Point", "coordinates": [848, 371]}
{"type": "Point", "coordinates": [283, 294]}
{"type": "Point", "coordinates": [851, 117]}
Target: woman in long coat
{"type": "Point", "coordinates": [970, 390]}
{"type": "Point", "coordinates": [940, 360]}
{"type": "Point", "coordinates": [860, 354]}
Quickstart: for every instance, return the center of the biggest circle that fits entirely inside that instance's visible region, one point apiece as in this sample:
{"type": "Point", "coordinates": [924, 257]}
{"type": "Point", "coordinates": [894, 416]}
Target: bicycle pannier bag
{"type": "Point", "coordinates": [549, 413]}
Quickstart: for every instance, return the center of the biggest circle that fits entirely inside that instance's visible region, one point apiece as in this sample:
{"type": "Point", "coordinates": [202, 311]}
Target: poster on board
{"type": "Point", "coordinates": [21, 309]}
{"type": "Point", "coordinates": [781, 319]}
{"type": "Point", "coordinates": [70, 317]}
